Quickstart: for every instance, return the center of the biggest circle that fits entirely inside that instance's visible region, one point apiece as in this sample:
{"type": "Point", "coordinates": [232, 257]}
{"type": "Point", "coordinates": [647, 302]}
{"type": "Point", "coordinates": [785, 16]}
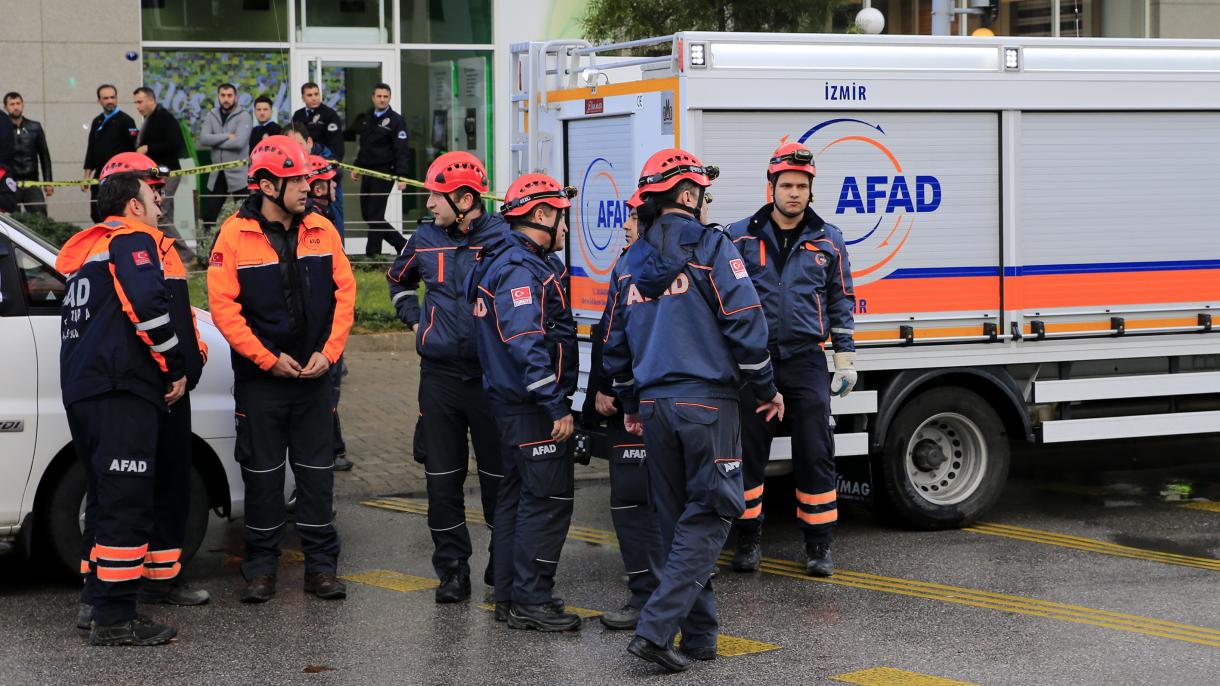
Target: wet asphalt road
{"type": "Point", "coordinates": [1099, 566]}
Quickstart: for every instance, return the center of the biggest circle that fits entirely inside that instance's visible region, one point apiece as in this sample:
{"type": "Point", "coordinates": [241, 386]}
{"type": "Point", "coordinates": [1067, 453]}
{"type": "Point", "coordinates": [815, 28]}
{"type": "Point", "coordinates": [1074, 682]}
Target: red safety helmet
{"type": "Point", "coordinates": [531, 190]}
{"type": "Point", "coordinates": [280, 156]}
{"type": "Point", "coordinates": [792, 157]}
{"type": "Point", "coordinates": [320, 169]}
{"type": "Point", "coordinates": [665, 169]}
{"type": "Point", "coordinates": [138, 164]}
{"type": "Point", "coordinates": [455, 170]}
{"type": "Point", "coordinates": [635, 200]}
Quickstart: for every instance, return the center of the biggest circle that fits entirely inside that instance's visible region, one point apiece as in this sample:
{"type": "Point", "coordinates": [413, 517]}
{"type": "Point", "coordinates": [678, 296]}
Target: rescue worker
{"type": "Point", "coordinates": [383, 148]}
{"type": "Point", "coordinates": [686, 330]}
{"type": "Point", "coordinates": [635, 523]}
{"type": "Point", "coordinates": [172, 478]}
{"type": "Point", "coordinates": [517, 299]}
{"type": "Point", "coordinates": [322, 200]}
{"type": "Point", "coordinates": [800, 268]}
{"type": "Point", "coordinates": [121, 366]}
{"type": "Point", "coordinates": [451, 398]}
{"type": "Point", "coordinates": [282, 292]}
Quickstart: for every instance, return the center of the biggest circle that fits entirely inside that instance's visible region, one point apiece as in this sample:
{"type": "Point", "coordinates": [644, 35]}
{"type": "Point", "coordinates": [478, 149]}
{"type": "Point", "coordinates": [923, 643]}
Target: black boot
{"type": "Point", "coordinates": [140, 631]}
{"type": "Point", "coordinates": [626, 617]}
{"type": "Point", "coordinates": [84, 616]}
{"type": "Point", "coordinates": [454, 588]}
{"type": "Point", "coordinates": [817, 560]}
{"type": "Point", "coordinates": [664, 656]}
{"type": "Point", "coordinates": [173, 593]}
{"type": "Point", "coordinates": [502, 610]}
{"type": "Point", "coordinates": [342, 464]}
{"type": "Point", "coordinates": [325, 585]}
{"type": "Point", "coordinates": [260, 589]}
{"type": "Point", "coordinates": [544, 617]}
{"type": "Point", "coordinates": [702, 654]}
{"type": "Point", "coordinates": [749, 547]}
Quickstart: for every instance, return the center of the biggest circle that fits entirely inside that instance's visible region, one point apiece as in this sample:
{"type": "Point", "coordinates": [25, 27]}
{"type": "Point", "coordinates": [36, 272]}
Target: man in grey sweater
{"type": "Point", "coordinates": [226, 130]}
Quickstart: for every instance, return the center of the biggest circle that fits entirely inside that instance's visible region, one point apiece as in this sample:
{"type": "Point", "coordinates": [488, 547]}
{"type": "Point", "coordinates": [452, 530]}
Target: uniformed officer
{"type": "Point", "coordinates": [172, 481]}
{"type": "Point", "coordinates": [800, 268]}
{"type": "Point", "coordinates": [686, 330]}
{"type": "Point", "coordinates": [529, 373]}
{"type": "Point", "coordinates": [452, 402]}
{"type": "Point", "coordinates": [282, 293]}
{"type": "Point", "coordinates": [635, 523]}
{"type": "Point", "coordinates": [383, 148]}
{"type": "Point", "coordinates": [121, 366]}
{"type": "Point", "coordinates": [324, 123]}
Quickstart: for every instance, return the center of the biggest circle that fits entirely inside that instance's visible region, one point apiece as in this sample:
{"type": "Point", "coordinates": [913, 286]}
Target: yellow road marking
{"type": "Point", "coordinates": [889, 676]}
{"type": "Point", "coordinates": [1204, 505]}
{"type": "Point", "coordinates": [957, 595]}
{"type": "Point", "coordinates": [1093, 545]}
{"type": "Point", "coordinates": [395, 581]}
{"type": "Point", "coordinates": [732, 646]}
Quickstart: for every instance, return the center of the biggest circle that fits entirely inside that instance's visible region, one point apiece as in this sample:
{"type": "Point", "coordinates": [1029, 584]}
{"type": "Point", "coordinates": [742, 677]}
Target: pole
{"type": "Point", "coordinates": [942, 17]}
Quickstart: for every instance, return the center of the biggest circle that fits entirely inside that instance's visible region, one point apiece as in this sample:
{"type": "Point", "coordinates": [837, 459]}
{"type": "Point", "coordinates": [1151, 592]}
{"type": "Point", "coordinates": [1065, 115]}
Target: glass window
{"type": "Point", "coordinates": [43, 287]}
{"type": "Point", "coordinates": [214, 20]}
{"type": "Point", "coordinates": [446, 97]}
{"type": "Point", "coordinates": [1077, 18]}
{"type": "Point", "coordinates": [343, 21]}
{"type": "Point", "coordinates": [445, 21]}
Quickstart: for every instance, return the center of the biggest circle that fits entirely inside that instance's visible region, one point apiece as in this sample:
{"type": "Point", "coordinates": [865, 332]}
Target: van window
{"type": "Point", "coordinates": [42, 286]}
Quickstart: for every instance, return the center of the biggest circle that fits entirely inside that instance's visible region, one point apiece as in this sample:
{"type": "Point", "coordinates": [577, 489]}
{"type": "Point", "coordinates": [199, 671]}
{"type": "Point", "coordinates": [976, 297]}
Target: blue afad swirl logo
{"type": "Point", "coordinates": [600, 220]}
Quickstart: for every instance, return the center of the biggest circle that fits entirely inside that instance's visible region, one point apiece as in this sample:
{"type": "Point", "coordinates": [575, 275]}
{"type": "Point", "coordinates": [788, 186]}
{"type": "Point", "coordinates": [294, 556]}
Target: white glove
{"type": "Point", "coordinates": [845, 374]}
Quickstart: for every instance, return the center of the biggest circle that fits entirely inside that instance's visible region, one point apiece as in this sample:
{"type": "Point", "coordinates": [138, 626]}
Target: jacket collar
{"type": "Point", "coordinates": [761, 226]}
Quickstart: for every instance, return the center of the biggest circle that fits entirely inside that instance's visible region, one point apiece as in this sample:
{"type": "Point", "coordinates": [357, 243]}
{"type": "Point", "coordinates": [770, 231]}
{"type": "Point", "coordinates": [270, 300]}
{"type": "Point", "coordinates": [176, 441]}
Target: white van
{"type": "Point", "coordinates": [42, 484]}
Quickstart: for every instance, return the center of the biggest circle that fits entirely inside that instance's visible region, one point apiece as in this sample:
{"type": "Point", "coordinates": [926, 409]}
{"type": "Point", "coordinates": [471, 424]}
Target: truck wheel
{"type": "Point", "coordinates": [946, 459]}
{"type": "Point", "coordinates": [64, 517]}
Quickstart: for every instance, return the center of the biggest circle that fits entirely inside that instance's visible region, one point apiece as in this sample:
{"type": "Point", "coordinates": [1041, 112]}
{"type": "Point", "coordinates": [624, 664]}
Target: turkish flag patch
{"type": "Point", "coordinates": [141, 258]}
{"type": "Point", "coordinates": [739, 268]}
{"type": "Point", "coordinates": [522, 296]}
{"type": "Point", "coordinates": [217, 260]}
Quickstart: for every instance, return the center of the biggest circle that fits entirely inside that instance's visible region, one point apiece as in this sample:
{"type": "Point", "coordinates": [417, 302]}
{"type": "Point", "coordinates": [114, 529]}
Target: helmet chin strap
{"type": "Point", "coordinates": [459, 214]}
{"type": "Point", "coordinates": [552, 230]}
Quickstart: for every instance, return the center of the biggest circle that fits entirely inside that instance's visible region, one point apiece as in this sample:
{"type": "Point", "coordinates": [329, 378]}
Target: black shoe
{"type": "Point", "coordinates": [625, 617]}
{"type": "Point", "coordinates": [489, 574]}
{"type": "Point", "coordinates": [454, 588]}
{"type": "Point", "coordinates": [140, 631]}
{"type": "Point", "coordinates": [177, 593]}
{"type": "Point", "coordinates": [502, 610]}
{"type": "Point", "coordinates": [749, 548]}
{"type": "Point", "coordinates": [84, 616]}
{"type": "Point", "coordinates": [544, 617]}
{"type": "Point", "coordinates": [325, 585]}
{"type": "Point", "coordinates": [666, 657]}
{"type": "Point", "coordinates": [817, 560]}
{"type": "Point", "coordinates": [260, 589]}
{"type": "Point", "coordinates": [703, 654]}
{"type": "Point", "coordinates": [342, 464]}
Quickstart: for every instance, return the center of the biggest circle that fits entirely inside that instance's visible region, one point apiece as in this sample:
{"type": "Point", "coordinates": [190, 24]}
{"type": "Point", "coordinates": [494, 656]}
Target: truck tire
{"type": "Point", "coordinates": [64, 517]}
{"type": "Point", "coordinates": [945, 460]}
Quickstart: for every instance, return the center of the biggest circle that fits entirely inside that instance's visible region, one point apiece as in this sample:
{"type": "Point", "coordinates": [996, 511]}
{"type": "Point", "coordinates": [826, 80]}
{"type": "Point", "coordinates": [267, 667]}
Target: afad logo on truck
{"type": "Point", "coordinates": [879, 200]}
{"type": "Point", "coordinates": [598, 228]}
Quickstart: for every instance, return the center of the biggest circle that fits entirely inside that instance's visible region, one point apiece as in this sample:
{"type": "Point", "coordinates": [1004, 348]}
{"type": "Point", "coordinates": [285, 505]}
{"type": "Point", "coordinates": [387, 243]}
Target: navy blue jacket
{"type": "Point", "coordinates": [684, 318]}
{"type": "Point", "coordinates": [526, 347]}
{"type": "Point", "coordinates": [812, 298]}
{"type": "Point", "coordinates": [442, 258]}
{"type": "Point", "coordinates": [116, 327]}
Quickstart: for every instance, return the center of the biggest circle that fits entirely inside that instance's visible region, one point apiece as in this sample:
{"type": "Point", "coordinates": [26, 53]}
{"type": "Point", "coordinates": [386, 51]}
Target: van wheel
{"type": "Point", "coordinates": [946, 459]}
{"type": "Point", "coordinates": [64, 517]}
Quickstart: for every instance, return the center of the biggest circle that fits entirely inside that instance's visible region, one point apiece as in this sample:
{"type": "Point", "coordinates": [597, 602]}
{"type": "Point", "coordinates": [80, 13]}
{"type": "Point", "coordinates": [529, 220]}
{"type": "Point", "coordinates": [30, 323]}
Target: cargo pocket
{"type": "Point", "coordinates": [726, 492]}
{"type": "Point", "coordinates": [546, 468]}
{"type": "Point", "coordinates": [628, 474]}
{"type": "Point", "coordinates": [243, 449]}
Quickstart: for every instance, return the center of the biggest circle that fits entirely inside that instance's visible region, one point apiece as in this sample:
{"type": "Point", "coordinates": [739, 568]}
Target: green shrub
{"type": "Point", "coordinates": [54, 232]}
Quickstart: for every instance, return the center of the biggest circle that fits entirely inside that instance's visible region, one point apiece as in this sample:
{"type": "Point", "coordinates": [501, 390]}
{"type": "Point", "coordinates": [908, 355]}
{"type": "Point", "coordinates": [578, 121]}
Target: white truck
{"type": "Point", "coordinates": [1030, 224]}
{"type": "Point", "coordinates": [42, 484]}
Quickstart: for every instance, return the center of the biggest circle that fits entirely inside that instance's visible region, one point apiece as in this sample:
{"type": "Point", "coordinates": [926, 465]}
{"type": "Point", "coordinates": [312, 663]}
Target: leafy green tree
{"type": "Point", "coordinates": [623, 20]}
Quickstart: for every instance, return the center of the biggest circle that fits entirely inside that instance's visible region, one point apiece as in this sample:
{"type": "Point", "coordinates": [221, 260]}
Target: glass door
{"type": "Point", "coordinates": [346, 79]}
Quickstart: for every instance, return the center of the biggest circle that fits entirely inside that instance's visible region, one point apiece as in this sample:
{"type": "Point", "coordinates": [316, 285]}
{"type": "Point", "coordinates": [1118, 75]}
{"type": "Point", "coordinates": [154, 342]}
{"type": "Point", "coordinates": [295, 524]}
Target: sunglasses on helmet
{"type": "Point", "coordinates": [567, 192]}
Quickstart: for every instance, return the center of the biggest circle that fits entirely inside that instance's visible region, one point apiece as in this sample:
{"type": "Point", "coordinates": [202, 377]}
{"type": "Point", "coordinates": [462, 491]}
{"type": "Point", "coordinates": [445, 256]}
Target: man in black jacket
{"type": "Point", "coordinates": [161, 139]}
{"type": "Point", "coordinates": [29, 151]}
{"type": "Point", "coordinates": [111, 132]}
{"type": "Point", "coordinates": [264, 121]}
{"type": "Point", "coordinates": [383, 148]}
{"type": "Point", "coordinates": [325, 124]}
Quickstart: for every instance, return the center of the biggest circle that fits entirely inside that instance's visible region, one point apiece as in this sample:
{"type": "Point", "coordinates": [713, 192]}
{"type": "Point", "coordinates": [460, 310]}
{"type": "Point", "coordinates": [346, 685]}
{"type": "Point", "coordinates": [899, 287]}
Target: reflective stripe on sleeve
{"type": "Point", "coordinates": [162, 347]}
{"type": "Point", "coordinates": [402, 295]}
{"type": "Point", "coordinates": [153, 323]}
{"type": "Point", "coordinates": [755, 366]}
{"type": "Point", "coordinates": [541, 382]}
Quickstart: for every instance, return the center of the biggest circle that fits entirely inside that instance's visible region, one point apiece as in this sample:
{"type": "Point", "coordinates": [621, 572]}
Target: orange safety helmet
{"type": "Point", "coordinates": [280, 156]}
{"type": "Point", "coordinates": [320, 169]}
{"type": "Point", "coordinates": [530, 190]}
{"type": "Point", "coordinates": [635, 200]}
{"type": "Point", "coordinates": [455, 170]}
{"type": "Point", "coordinates": [139, 164]}
{"type": "Point", "coordinates": [666, 168]}
{"type": "Point", "coordinates": [791, 157]}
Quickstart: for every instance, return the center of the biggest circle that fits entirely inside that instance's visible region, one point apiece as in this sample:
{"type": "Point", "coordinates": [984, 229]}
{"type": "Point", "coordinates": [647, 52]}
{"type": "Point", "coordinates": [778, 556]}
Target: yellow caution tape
{"type": "Point", "coordinates": [205, 169]}
{"type": "Point", "coordinates": [400, 179]}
